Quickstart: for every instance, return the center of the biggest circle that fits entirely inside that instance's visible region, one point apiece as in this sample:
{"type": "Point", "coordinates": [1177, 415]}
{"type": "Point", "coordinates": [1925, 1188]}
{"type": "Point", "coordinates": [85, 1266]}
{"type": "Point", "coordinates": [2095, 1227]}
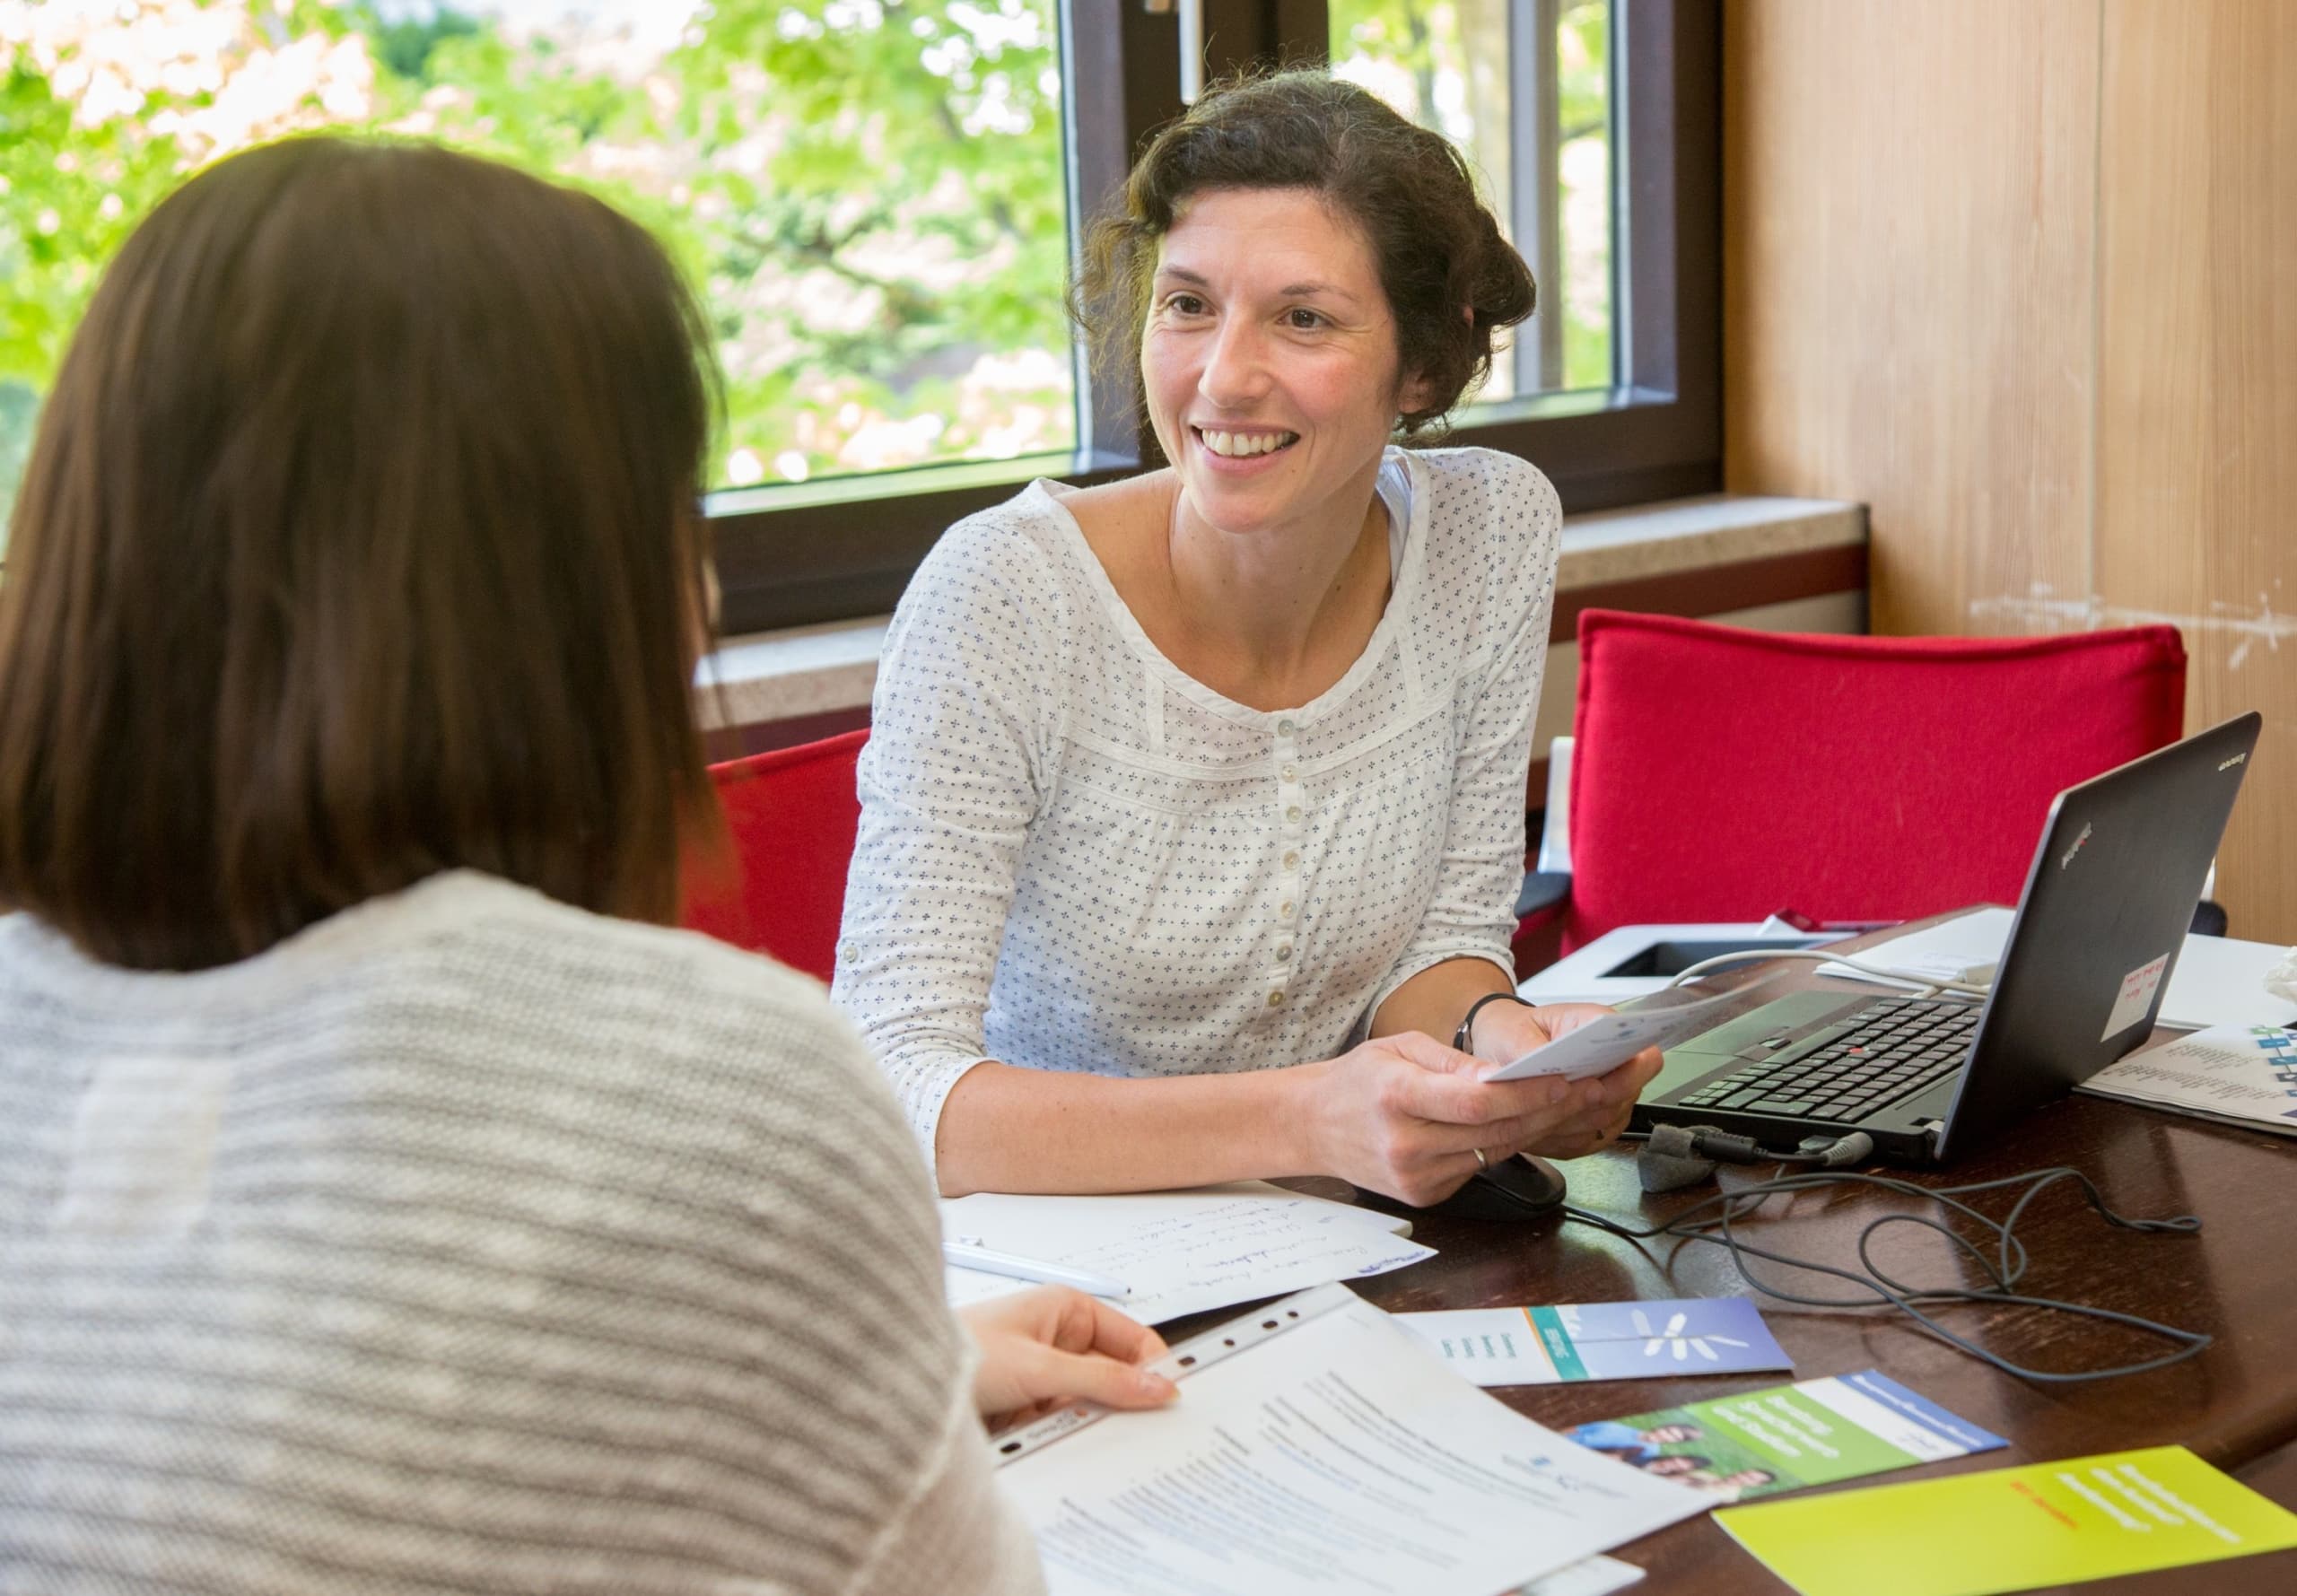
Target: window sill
{"type": "Point", "coordinates": [812, 670]}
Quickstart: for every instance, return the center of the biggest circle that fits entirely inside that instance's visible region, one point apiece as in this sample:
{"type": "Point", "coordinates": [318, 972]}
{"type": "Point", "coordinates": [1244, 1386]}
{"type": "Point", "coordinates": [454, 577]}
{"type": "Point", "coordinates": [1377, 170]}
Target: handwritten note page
{"type": "Point", "coordinates": [1340, 1458]}
{"type": "Point", "coordinates": [1180, 1252]}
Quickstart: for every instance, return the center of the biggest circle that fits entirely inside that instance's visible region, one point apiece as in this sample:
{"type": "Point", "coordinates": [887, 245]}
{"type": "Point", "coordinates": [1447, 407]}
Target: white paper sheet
{"type": "Point", "coordinates": [1339, 1459]}
{"type": "Point", "coordinates": [1591, 1576]}
{"type": "Point", "coordinates": [1181, 1251]}
{"type": "Point", "coordinates": [1602, 1045]}
{"type": "Point", "coordinates": [1939, 952]}
{"type": "Point", "coordinates": [2219, 981]}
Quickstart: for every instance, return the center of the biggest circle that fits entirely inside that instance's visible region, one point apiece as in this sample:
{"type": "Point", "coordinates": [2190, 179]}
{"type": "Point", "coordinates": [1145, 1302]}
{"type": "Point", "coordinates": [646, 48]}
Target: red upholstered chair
{"type": "Point", "coordinates": [791, 817]}
{"type": "Point", "coordinates": [1719, 775]}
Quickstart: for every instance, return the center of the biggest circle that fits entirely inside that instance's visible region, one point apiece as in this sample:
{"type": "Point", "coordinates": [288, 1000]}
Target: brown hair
{"type": "Point", "coordinates": [359, 542]}
{"type": "Point", "coordinates": [1452, 281]}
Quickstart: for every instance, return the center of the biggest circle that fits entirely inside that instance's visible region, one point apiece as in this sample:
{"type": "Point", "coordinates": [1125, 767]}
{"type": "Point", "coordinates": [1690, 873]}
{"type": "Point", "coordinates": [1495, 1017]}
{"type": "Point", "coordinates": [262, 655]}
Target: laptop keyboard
{"type": "Point", "coordinates": [1865, 1060]}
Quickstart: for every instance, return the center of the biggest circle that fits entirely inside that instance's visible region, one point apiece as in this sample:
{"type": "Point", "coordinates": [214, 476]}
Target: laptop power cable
{"type": "Point", "coordinates": [1722, 1220]}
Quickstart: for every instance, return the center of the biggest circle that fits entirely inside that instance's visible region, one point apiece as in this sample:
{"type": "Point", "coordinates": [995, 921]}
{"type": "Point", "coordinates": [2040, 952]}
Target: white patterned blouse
{"type": "Point", "coordinates": [1074, 856]}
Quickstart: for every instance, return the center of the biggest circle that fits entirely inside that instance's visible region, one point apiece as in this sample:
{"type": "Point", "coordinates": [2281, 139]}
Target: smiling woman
{"type": "Point", "coordinates": [1270, 362]}
{"type": "Point", "coordinates": [1181, 785]}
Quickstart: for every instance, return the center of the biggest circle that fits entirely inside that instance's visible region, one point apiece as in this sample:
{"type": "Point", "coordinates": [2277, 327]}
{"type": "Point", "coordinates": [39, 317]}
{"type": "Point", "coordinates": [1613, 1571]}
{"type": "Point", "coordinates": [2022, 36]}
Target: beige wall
{"type": "Point", "coordinates": [2022, 274]}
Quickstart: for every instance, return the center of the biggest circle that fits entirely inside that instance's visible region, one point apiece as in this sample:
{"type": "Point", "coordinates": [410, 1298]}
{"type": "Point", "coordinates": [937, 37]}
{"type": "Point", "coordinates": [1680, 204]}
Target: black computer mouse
{"type": "Point", "coordinates": [1513, 1189]}
{"type": "Point", "coordinates": [1518, 1188]}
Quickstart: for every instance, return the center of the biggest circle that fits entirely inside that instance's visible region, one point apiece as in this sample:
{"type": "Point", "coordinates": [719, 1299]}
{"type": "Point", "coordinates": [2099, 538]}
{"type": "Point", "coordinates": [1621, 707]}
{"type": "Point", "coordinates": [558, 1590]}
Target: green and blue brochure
{"type": "Point", "coordinates": [1784, 1437]}
{"type": "Point", "coordinates": [2013, 1529]}
{"type": "Point", "coordinates": [1601, 1340]}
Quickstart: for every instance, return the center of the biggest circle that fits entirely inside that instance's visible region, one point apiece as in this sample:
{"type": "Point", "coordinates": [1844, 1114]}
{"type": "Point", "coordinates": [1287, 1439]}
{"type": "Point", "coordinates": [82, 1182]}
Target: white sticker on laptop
{"type": "Point", "coordinates": [2134, 1001]}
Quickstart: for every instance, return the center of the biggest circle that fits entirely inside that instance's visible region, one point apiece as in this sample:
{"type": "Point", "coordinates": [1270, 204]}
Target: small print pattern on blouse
{"type": "Point", "coordinates": [1073, 856]}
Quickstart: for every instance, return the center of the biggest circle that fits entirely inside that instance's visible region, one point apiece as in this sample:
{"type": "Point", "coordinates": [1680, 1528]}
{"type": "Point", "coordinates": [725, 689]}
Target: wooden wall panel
{"type": "Point", "coordinates": [1907, 256]}
{"type": "Point", "coordinates": [2014, 275]}
{"type": "Point", "coordinates": [2196, 519]}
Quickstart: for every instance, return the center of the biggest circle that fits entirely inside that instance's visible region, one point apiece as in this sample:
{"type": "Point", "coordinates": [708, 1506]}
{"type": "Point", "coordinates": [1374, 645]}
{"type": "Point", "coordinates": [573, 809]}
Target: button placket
{"type": "Point", "coordinates": [1291, 816]}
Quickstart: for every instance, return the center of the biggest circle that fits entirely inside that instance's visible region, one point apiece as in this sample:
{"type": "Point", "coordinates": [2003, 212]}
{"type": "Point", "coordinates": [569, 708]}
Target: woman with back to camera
{"type": "Point", "coordinates": [388, 1200]}
{"type": "Point", "coordinates": [1192, 811]}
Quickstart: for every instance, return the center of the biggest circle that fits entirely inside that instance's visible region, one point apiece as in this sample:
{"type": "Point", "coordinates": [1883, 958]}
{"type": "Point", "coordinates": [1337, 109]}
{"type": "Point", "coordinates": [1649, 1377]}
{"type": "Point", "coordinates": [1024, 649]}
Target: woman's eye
{"type": "Point", "coordinates": [1185, 304]}
{"type": "Point", "coordinates": [1303, 321]}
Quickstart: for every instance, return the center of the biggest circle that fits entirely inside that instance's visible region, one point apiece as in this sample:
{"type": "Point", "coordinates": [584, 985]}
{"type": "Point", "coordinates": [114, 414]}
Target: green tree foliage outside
{"type": "Point", "coordinates": [1446, 64]}
{"type": "Point", "coordinates": [869, 192]}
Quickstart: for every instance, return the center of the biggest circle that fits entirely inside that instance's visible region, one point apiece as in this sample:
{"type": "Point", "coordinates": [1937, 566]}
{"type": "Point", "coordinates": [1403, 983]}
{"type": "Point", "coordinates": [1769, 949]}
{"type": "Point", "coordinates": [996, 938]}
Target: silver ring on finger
{"type": "Point", "coordinates": [1480, 1161]}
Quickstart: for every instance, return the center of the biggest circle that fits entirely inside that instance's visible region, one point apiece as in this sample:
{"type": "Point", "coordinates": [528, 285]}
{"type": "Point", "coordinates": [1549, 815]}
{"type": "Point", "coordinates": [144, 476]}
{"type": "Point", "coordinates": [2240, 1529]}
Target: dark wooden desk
{"type": "Point", "coordinates": [2235, 1404]}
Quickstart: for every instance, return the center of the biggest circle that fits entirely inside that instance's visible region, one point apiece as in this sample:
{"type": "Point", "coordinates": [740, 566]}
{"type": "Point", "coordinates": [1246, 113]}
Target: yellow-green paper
{"type": "Point", "coordinates": [2013, 1529]}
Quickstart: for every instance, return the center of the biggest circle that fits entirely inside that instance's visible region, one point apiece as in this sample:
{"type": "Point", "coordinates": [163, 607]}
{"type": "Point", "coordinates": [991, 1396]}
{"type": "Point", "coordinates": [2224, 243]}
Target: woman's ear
{"type": "Point", "coordinates": [1413, 396]}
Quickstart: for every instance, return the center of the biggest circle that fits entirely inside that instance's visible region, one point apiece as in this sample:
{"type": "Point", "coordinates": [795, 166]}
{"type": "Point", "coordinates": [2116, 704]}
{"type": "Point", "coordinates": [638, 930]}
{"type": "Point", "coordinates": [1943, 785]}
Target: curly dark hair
{"type": "Point", "coordinates": [1437, 245]}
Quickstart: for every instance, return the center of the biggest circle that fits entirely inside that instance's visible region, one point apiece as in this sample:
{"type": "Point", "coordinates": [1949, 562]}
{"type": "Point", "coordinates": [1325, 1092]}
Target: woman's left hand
{"type": "Point", "coordinates": [1048, 1346]}
{"type": "Point", "coordinates": [1508, 1031]}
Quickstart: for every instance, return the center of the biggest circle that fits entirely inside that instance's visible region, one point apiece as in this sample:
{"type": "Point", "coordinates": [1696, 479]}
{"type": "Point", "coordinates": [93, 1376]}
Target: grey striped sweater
{"type": "Point", "coordinates": [470, 1242]}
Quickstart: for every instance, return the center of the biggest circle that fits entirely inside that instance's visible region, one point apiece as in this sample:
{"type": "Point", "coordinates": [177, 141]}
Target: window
{"type": "Point", "coordinates": [878, 197]}
{"type": "Point", "coordinates": [1626, 404]}
{"type": "Point", "coordinates": [1525, 91]}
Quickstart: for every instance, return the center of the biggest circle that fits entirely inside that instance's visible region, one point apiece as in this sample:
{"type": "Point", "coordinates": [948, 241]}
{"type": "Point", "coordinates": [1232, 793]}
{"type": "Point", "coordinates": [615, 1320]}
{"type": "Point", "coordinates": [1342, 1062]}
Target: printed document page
{"type": "Point", "coordinates": [1339, 1458]}
{"type": "Point", "coordinates": [1180, 1252]}
{"type": "Point", "coordinates": [2243, 1075]}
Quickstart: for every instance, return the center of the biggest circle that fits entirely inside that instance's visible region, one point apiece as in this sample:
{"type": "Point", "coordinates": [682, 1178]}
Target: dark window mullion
{"type": "Point", "coordinates": [1660, 435]}
{"type": "Point", "coordinates": [1535, 206]}
{"type": "Point", "coordinates": [796, 563]}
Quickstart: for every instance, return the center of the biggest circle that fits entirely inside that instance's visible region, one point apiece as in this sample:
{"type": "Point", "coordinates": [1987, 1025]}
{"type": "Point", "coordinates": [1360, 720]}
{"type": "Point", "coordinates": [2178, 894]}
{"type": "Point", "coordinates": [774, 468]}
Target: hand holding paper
{"type": "Point", "coordinates": [1321, 1452]}
{"type": "Point", "coordinates": [1602, 1045]}
{"type": "Point", "coordinates": [1042, 1347]}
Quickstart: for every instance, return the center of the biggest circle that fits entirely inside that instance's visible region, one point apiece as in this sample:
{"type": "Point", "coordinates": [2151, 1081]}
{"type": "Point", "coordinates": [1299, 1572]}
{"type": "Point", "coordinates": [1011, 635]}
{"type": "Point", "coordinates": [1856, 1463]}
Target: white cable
{"type": "Point", "coordinates": [1968, 988]}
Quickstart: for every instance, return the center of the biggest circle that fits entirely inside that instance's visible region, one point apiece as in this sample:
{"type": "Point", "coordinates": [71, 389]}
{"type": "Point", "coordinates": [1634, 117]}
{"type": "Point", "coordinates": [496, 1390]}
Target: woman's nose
{"type": "Point", "coordinates": [1235, 369]}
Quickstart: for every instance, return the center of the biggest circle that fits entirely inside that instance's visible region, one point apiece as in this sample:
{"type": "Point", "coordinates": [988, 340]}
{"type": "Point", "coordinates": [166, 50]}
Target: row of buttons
{"type": "Point", "coordinates": [1288, 793]}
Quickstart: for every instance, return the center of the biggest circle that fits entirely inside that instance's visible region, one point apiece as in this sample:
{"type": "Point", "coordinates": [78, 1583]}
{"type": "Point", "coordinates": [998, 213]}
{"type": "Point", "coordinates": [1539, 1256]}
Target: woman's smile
{"type": "Point", "coordinates": [1240, 447]}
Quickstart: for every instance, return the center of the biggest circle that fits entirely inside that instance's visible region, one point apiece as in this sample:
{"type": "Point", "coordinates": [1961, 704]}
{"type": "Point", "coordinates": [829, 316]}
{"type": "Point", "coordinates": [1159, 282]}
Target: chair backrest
{"type": "Point", "coordinates": [1718, 774]}
{"type": "Point", "coordinates": [790, 817]}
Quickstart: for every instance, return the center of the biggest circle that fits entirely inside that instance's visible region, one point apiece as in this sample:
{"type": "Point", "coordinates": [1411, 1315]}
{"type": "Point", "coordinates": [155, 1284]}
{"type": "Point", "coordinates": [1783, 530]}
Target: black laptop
{"type": "Point", "coordinates": [2107, 902]}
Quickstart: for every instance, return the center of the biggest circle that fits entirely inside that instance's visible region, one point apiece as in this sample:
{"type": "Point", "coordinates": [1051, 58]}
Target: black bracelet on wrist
{"type": "Point", "coordinates": [1463, 1039]}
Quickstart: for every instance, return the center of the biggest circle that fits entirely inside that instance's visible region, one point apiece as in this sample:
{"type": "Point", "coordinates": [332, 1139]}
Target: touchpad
{"type": "Point", "coordinates": [1734, 1043]}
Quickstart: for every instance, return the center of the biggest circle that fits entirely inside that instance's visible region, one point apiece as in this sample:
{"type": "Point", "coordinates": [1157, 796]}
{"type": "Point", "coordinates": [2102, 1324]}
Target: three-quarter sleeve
{"type": "Point", "coordinates": [1471, 914]}
{"type": "Point", "coordinates": [964, 725]}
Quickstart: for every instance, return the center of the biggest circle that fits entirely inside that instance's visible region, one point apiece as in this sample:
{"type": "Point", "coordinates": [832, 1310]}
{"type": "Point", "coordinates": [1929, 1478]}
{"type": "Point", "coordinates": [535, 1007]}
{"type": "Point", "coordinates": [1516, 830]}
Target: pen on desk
{"type": "Point", "coordinates": [968, 1252]}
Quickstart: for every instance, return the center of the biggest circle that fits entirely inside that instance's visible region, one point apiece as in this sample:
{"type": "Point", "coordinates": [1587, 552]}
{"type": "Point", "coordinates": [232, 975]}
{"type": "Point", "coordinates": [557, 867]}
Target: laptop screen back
{"type": "Point", "coordinates": [2107, 902]}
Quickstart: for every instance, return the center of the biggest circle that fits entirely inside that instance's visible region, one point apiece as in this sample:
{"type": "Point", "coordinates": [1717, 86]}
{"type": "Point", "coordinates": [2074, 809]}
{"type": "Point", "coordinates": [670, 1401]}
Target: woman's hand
{"type": "Point", "coordinates": [1601, 1104]}
{"type": "Point", "coordinates": [1405, 1115]}
{"type": "Point", "coordinates": [1045, 1346]}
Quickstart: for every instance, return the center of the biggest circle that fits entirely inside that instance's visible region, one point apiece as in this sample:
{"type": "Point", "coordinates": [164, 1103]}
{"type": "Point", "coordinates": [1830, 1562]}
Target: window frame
{"type": "Point", "coordinates": [843, 548]}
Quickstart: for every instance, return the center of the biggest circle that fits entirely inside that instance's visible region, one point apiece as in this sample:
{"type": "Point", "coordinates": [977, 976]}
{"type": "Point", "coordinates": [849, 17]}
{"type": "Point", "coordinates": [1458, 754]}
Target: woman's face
{"type": "Point", "coordinates": [1270, 361]}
